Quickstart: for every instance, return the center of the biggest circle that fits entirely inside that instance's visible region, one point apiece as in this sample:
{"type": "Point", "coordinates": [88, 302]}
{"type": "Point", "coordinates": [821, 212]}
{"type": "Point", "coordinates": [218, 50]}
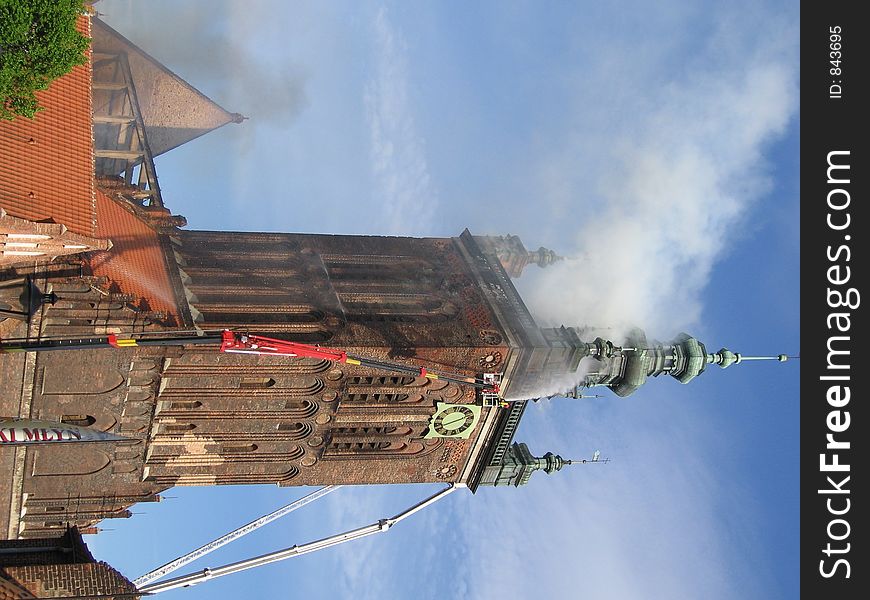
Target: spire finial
{"type": "Point", "coordinates": [596, 458]}
{"type": "Point", "coordinates": [725, 358]}
{"type": "Point", "coordinates": [543, 257]}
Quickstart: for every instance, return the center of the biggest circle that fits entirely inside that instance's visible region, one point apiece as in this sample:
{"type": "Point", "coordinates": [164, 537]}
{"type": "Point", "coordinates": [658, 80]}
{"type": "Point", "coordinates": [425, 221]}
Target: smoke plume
{"type": "Point", "coordinates": [653, 196]}
{"type": "Point", "coordinates": [216, 59]}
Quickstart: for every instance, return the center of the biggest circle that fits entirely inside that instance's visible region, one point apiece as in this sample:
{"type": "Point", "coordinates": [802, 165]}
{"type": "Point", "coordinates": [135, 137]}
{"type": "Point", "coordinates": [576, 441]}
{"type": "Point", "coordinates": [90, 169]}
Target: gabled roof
{"type": "Point", "coordinates": [136, 262]}
{"type": "Point", "coordinates": [25, 242]}
{"type": "Point", "coordinates": [173, 110]}
{"type": "Point", "coordinates": [47, 166]}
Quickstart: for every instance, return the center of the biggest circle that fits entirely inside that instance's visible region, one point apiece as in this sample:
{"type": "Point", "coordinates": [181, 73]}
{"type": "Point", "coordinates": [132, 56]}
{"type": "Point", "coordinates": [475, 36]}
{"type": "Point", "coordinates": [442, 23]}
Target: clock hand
{"type": "Point", "coordinates": [453, 420]}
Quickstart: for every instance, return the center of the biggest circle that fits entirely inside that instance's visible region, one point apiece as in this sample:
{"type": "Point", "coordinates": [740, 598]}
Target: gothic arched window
{"type": "Point", "coordinates": [78, 420]}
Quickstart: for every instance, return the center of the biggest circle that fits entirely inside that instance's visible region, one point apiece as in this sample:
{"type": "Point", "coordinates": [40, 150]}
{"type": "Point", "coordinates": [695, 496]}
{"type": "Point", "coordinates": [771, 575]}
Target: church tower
{"type": "Point", "coordinates": [441, 303]}
{"type": "Point", "coordinates": [202, 417]}
{"type": "Point", "coordinates": [197, 416]}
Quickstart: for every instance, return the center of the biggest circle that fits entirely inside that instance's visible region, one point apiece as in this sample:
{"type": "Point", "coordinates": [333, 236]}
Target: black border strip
{"type": "Point", "coordinates": [834, 229]}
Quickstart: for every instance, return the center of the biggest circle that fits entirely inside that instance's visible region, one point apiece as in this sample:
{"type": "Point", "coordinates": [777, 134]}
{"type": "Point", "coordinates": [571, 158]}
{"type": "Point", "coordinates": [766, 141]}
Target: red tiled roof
{"type": "Point", "coordinates": [136, 261]}
{"type": "Point", "coordinates": [47, 163]}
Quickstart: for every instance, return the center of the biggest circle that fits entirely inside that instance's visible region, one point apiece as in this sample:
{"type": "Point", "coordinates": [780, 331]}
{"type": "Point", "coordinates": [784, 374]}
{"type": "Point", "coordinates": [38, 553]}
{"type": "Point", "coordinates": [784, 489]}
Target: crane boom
{"type": "Point", "coordinates": [380, 526]}
{"type": "Point", "coordinates": [256, 344]}
{"type": "Point", "coordinates": [243, 343]}
{"type": "Point", "coordinates": [188, 558]}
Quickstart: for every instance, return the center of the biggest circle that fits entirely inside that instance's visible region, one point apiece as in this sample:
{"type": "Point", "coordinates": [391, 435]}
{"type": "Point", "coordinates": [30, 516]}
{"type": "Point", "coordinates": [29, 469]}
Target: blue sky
{"type": "Point", "coordinates": [655, 144]}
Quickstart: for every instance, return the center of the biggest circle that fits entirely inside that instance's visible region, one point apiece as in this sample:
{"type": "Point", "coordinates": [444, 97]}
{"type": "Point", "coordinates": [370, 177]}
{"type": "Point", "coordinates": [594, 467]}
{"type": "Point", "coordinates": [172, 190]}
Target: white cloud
{"type": "Point", "coordinates": [649, 524]}
{"type": "Point", "coordinates": [652, 190]}
{"type": "Point", "coordinates": [363, 567]}
{"type": "Point", "coordinates": [660, 193]}
{"type": "Point", "coordinates": [402, 187]}
{"type": "Point", "coordinates": [652, 174]}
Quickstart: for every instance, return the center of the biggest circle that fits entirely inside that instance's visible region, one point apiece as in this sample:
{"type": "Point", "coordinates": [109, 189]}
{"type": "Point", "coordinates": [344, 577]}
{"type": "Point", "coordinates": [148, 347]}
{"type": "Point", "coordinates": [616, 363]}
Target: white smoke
{"type": "Point", "coordinates": [402, 185]}
{"type": "Point", "coordinates": [270, 89]}
{"type": "Point", "coordinates": [662, 192]}
{"type": "Point", "coordinates": [560, 384]}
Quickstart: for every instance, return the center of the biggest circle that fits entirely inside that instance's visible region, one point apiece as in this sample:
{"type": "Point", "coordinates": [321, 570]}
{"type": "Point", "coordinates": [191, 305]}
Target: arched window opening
{"type": "Point", "coordinates": [256, 382]}
{"type": "Point", "coordinates": [381, 381]}
{"type": "Point", "coordinates": [78, 420]}
{"type": "Point", "coordinates": [297, 404]}
{"type": "Point", "coordinates": [359, 446]}
{"type": "Point", "coordinates": [237, 448]}
{"type": "Point", "coordinates": [364, 430]}
{"type": "Point", "coordinates": [185, 405]}
{"type": "Point", "coordinates": [377, 397]}
{"type": "Point", "coordinates": [80, 322]}
{"type": "Point", "coordinates": [179, 427]}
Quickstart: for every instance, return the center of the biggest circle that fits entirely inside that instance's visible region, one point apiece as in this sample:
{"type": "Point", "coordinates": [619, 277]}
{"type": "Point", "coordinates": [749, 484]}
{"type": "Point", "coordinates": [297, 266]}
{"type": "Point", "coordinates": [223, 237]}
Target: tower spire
{"type": "Point", "coordinates": [725, 358]}
{"type": "Point", "coordinates": [543, 257]}
{"type": "Point", "coordinates": [684, 358]}
{"type": "Point", "coordinates": [622, 367]}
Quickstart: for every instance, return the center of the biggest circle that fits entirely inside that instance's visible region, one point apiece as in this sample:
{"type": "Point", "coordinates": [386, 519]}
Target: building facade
{"type": "Point", "coordinates": [58, 567]}
{"type": "Point", "coordinates": [200, 417]}
{"type": "Point", "coordinates": [195, 416]}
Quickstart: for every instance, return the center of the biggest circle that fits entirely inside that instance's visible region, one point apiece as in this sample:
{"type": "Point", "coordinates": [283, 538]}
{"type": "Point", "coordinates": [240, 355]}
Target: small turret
{"type": "Point", "coordinates": [543, 257]}
{"type": "Point", "coordinates": [518, 465]}
{"type": "Point", "coordinates": [513, 256]}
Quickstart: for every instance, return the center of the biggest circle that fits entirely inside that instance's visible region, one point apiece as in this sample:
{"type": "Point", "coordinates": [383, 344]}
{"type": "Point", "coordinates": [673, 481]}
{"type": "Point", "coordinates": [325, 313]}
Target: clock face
{"type": "Point", "coordinates": [453, 421]}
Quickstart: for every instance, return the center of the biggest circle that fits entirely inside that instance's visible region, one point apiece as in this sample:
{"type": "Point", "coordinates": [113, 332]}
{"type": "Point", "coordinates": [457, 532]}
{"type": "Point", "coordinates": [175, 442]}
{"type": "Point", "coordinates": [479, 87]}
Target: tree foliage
{"type": "Point", "coordinates": [39, 42]}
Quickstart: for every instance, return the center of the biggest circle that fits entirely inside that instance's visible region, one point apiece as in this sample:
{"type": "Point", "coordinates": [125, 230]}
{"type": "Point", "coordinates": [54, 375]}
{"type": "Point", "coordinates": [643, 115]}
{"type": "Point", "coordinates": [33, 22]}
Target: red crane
{"type": "Point", "coordinates": [244, 343]}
